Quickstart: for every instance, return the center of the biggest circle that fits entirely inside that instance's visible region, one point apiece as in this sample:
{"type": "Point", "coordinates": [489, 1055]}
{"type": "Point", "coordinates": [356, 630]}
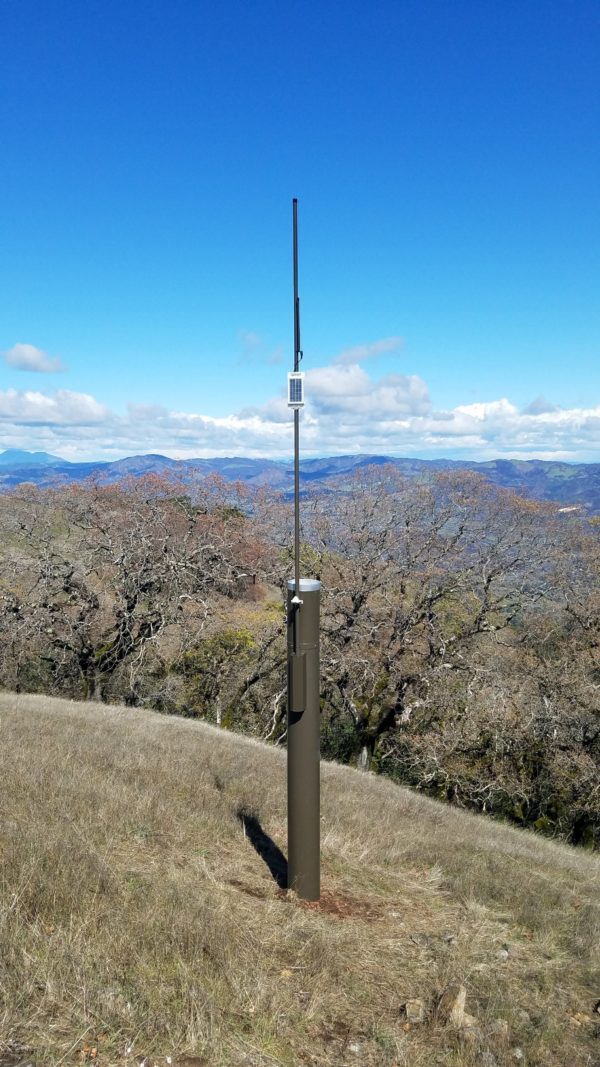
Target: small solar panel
{"type": "Point", "coordinates": [296, 389]}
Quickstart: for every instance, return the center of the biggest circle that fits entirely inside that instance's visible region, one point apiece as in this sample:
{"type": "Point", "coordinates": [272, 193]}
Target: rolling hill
{"type": "Point", "coordinates": [144, 917]}
{"type": "Point", "coordinates": [569, 484]}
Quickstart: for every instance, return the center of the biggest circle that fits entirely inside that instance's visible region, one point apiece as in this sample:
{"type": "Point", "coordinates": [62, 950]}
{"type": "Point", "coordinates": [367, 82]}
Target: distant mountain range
{"type": "Point", "coordinates": [570, 484]}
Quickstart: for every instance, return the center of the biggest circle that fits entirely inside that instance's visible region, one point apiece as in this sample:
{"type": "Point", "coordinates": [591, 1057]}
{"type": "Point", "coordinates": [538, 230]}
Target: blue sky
{"type": "Point", "coordinates": [447, 162]}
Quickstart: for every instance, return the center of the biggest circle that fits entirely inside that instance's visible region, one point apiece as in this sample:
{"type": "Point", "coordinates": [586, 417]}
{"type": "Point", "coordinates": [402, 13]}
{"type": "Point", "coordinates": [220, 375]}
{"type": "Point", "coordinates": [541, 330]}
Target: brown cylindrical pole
{"type": "Point", "coordinates": [303, 740]}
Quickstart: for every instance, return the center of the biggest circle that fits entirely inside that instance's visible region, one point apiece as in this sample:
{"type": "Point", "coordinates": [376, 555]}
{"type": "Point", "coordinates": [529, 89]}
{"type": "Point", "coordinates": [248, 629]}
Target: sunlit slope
{"type": "Point", "coordinates": [137, 914]}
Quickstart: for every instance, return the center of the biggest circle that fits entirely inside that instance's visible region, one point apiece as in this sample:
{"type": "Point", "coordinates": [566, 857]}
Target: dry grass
{"type": "Point", "coordinates": [136, 915]}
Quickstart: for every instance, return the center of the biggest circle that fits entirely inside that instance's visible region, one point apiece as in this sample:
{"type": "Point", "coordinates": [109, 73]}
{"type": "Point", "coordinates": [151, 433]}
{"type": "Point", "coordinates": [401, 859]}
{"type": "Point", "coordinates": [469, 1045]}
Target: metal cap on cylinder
{"type": "Point", "coordinates": [307, 606]}
{"type": "Point", "coordinates": [307, 585]}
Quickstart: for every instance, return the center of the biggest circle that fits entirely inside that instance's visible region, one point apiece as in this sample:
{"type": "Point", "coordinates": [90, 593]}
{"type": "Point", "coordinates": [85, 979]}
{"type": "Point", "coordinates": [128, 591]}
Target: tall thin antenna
{"type": "Point", "coordinates": [297, 358]}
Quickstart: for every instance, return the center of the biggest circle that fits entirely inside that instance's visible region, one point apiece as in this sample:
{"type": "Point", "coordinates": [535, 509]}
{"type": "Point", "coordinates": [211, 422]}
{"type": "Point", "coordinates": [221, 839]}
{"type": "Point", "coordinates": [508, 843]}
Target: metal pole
{"type": "Point", "coordinates": [297, 511]}
{"type": "Point", "coordinates": [303, 733]}
{"type": "Point", "coordinates": [297, 358]}
{"type": "Point", "coordinates": [303, 741]}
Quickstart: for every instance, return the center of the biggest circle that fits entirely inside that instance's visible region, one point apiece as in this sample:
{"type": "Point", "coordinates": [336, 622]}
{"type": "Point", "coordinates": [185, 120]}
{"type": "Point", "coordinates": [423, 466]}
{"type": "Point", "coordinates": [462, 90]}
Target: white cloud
{"type": "Point", "coordinates": [540, 406]}
{"type": "Point", "coordinates": [146, 412]}
{"type": "Point", "coordinates": [347, 410]}
{"type": "Point", "coordinates": [64, 408]}
{"type": "Point", "coordinates": [276, 356]}
{"type": "Point", "coordinates": [30, 358]}
{"type": "Point", "coordinates": [360, 353]}
{"type": "Point", "coordinates": [250, 340]}
{"type": "Point", "coordinates": [255, 349]}
{"type": "Point", "coordinates": [348, 388]}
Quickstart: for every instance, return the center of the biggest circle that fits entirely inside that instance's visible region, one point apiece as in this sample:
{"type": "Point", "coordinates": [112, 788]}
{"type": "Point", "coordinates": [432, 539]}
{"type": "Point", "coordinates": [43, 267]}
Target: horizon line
{"type": "Point", "coordinates": [284, 459]}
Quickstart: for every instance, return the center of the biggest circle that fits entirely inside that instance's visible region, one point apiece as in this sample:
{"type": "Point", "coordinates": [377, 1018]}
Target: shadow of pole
{"type": "Point", "coordinates": [265, 846]}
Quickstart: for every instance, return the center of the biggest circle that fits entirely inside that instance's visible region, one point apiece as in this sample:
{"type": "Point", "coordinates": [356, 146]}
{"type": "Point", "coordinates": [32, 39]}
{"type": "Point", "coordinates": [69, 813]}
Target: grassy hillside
{"type": "Point", "coordinates": [140, 914]}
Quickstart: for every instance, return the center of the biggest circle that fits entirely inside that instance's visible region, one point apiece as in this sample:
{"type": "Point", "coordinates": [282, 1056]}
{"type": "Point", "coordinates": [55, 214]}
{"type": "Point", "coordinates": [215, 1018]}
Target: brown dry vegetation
{"type": "Point", "coordinates": [460, 625]}
{"type": "Point", "coordinates": [136, 918]}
